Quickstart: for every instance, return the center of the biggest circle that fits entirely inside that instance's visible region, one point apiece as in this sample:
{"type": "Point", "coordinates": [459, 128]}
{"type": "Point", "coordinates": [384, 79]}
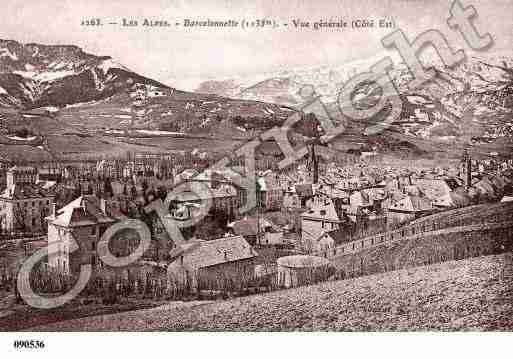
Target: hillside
{"type": "Point", "coordinates": [60, 102]}
{"type": "Point", "coordinates": [472, 294]}
{"type": "Point", "coordinates": [68, 102]}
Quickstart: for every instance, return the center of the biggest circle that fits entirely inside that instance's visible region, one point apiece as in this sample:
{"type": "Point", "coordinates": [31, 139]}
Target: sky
{"type": "Point", "coordinates": [179, 56]}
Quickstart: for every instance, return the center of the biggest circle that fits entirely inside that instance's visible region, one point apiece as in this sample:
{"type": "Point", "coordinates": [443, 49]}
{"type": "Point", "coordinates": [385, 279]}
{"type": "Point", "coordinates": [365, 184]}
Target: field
{"type": "Point", "coordinates": [472, 294]}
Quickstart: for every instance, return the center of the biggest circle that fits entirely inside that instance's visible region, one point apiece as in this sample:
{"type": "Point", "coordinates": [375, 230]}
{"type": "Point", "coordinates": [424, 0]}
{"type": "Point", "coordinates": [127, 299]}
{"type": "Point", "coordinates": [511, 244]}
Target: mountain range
{"type": "Point", "coordinates": [57, 101]}
{"type": "Point", "coordinates": [470, 103]}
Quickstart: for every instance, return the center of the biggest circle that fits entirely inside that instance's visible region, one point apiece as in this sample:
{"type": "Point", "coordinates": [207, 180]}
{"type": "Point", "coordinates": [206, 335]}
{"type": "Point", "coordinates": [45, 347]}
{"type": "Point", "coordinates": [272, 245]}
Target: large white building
{"type": "Point", "coordinates": [82, 221]}
{"type": "Point", "coordinates": [24, 204]}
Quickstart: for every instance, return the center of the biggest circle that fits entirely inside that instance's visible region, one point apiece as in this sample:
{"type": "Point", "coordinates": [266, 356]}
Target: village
{"type": "Point", "coordinates": [307, 218]}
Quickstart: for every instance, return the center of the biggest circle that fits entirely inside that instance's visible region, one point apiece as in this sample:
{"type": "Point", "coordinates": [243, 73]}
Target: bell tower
{"type": "Point", "coordinates": [466, 169]}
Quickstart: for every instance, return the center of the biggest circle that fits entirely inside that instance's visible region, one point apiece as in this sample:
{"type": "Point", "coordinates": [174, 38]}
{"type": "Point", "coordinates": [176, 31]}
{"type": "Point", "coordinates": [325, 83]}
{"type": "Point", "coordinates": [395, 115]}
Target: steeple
{"type": "Point", "coordinates": [466, 169]}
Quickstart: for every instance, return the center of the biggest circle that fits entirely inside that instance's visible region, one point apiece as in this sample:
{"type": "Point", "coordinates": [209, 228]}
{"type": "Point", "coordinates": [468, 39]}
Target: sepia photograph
{"type": "Point", "coordinates": [303, 167]}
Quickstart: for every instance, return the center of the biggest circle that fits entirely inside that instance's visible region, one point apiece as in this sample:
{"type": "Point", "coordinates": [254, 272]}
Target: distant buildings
{"type": "Point", "coordinates": [24, 204]}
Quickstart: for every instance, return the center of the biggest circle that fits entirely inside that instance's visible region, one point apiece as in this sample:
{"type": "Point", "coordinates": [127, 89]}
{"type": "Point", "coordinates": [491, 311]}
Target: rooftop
{"type": "Point", "coordinates": [218, 251]}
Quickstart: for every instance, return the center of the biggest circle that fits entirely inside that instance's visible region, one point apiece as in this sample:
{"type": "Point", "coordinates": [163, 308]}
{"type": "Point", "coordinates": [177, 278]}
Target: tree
{"type": "Point", "coordinates": [107, 187]}
{"type": "Point", "coordinates": [43, 213]}
{"type": "Point", "coordinates": [144, 186]}
{"type": "Point", "coordinates": [20, 217]}
{"type": "Point", "coordinates": [133, 192]}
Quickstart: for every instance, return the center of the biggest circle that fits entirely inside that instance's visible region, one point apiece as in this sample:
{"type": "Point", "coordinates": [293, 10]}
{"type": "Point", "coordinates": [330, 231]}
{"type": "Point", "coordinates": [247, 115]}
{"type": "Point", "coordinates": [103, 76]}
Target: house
{"type": "Point", "coordinates": [410, 207]}
{"type": "Point", "coordinates": [321, 217]}
{"type": "Point", "coordinates": [438, 191]}
{"type": "Point", "coordinates": [223, 197]}
{"type": "Point", "coordinates": [248, 228]}
{"type": "Point", "coordinates": [291, 199]}
{"type": "Point", "coordinates": [270, 191]}
{"type": "Point", "coordinates": [81, 222]}
{"type": "Point", "coordinates": [325, 244]}
{"type": "Point", "coordinates": [24, 204]}
{"type": "Point", "coordinates": [224, 263]}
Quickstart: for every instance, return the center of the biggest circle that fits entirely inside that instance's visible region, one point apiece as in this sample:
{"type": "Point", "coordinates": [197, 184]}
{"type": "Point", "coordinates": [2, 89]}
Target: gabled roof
{"type": "Point", "coordinates": [412, 204]}
{"type": "Point", "coordinates": [248, 226]}
{"type": "Point", "coordinates": [218, 251]}
{"type": "Point", "coordinates": [433, 189]}
{"type": "Point", "coordinates": [322, 209]}
{"type": "Point", "coordinates": [85, 210]}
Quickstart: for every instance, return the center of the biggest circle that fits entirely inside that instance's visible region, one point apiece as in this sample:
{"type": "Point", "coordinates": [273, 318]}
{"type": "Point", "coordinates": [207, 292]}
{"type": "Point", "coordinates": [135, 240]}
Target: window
{"type": "Point", "coordinates": [93, 231]}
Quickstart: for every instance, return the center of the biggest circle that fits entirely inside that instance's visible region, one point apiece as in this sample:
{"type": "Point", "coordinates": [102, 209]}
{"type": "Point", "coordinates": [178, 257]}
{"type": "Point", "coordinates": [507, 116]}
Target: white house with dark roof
{"type": "Point", "coordinates": [82, 221]}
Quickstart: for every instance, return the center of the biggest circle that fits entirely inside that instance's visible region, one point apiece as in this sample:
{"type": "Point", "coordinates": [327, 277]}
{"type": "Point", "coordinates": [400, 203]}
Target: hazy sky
{"type": "Point", "coordinates": [178, 55]}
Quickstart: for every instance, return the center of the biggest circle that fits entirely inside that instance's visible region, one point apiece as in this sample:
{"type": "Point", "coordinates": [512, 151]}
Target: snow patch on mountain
{"type": "Point", "coordinates": [44, 76]}
{"type": "Point", "coordinates": [16, 138]}
{"type": "Point", "coordinates": [106, 65]}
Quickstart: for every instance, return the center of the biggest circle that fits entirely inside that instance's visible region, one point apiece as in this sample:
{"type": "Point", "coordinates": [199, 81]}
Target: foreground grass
{"type": "Point", "coordinates": [472, 294]}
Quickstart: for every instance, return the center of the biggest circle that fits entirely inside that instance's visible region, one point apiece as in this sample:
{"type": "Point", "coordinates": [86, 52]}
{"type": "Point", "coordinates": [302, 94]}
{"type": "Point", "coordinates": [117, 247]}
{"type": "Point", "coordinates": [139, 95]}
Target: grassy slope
{"type": "Point", "coordinates": [473, 294]}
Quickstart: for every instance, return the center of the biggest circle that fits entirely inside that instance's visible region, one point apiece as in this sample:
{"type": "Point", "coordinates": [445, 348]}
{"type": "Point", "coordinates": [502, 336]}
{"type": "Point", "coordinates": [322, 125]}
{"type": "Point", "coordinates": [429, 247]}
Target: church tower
{"type": "Point", "coordinates": [466, 169]}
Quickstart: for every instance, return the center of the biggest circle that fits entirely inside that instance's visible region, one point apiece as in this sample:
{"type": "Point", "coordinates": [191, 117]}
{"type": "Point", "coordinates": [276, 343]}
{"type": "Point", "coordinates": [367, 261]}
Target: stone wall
{"type": "Point", "coordinates": [424, 248]}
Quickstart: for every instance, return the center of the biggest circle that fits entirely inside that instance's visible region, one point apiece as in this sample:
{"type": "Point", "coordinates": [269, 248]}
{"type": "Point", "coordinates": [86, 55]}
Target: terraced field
{"type": "Point", "coordinates": [472, 294]}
